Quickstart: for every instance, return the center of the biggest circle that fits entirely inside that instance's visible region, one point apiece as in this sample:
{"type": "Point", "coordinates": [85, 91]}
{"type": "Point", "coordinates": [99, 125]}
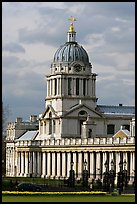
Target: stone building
{"type": "Point", "coordinates": [73, 127]}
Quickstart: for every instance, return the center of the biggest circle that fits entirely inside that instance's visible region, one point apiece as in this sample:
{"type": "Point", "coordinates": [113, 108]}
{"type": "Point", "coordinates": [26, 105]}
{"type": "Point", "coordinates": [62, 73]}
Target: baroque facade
{"type": "Point", "coordinates": [73, 127]}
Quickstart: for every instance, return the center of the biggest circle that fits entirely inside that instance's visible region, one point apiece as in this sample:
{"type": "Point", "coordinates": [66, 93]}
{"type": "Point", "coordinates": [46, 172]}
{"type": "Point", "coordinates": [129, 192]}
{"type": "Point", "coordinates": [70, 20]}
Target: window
{"type": "Point", "coordinates": [50, 123]}
{"type": "Point", "coordinates": [69, 86]}
{"type": "Point", "coordinates": [83, 113]}
{"type": "Point", "coordinates": [110, 129]}
{"type": "Point", "coordinates": [84, 87]}
{"type": "Point", "coordinates": [82, 118]}
{"type": "Point", "coordinates": [54, 125]}
{"type": "Point", "coordinates": [44, 127]}
{"type": "Point", "coordinates": [77, 86]}
{"type": "Point", "coordinates": [55, 87]}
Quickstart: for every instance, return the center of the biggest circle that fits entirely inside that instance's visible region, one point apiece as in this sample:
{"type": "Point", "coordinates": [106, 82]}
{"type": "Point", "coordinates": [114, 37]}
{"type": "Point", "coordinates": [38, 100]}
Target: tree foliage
{"type": "Point", "coordinates": [5, 116]}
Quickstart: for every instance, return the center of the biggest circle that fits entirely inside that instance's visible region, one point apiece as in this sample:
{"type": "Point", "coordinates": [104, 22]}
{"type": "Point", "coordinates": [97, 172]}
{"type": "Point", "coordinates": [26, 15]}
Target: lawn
{"type": "Point", "coordinates": [68, 198]}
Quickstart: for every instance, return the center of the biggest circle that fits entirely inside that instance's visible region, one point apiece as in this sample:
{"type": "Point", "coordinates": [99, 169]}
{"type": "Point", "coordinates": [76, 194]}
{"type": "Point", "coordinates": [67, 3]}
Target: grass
{"type": "Point", "coordinates": [68, 198]}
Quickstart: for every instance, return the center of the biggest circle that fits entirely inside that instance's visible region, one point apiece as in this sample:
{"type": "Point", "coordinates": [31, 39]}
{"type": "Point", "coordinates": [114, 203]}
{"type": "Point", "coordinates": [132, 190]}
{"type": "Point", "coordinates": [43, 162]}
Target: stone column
{"type": "Point", "coordinates": [61, 86]}
{"type": "Point", "coordinates": [39, 164]}
{"type": "Point", "coordinates": [74, 160]}
{"type": "Point", "coordinates": [63, 164]}
{"type": "Point", "coordinates": [68, 163]}
{"type": "Point", "coordinates": [22, 163]}
{"type": "Point", "coordinates": [26, 164]}
{"type": "Point", "coordinates": [104, 160]}
{"type": "Point", "coordinates": [18, 164]}
{"type": "Point", "coordinates": [34, 164]}
{"type": "Point", "coordinates": [133, 160]}
{"type": "Point", "coordinates": [50, 87]}
{"type": "Point", "coordinates": [110, 159]}
{"type": "Point", "coordinates": [79, 164]}
{"type": "Point", "coordinates": [30, 163]}
{"type": "Point", "coordinates": [53, 164]}
{"type": "Point", "coordinates": [117, 164]}
{"type": "Point", "coordinates": [43, 165]}
{"type": "Point", "coordinates": [58, 164]}
{"type": "Point", "coordinates": [131, 166]}
{"type": "Point", "coordinates": [97, 165]}
{"type": "Point", "coordinates": [48, 164]}
{"type": "Point", "coordinates": [92, 165]}
{"type": "Point", "coordinates": [90, 87]}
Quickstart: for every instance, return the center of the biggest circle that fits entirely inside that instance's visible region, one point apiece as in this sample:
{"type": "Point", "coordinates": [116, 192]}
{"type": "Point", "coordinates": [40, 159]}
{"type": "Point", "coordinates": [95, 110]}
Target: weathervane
{"type": "Point", "coordinates": [71, 19]}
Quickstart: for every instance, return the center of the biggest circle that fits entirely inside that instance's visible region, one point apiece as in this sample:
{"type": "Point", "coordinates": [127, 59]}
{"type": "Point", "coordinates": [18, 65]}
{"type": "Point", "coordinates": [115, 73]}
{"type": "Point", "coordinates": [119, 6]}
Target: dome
{"type": "Point", "coordinates": [71, 51]}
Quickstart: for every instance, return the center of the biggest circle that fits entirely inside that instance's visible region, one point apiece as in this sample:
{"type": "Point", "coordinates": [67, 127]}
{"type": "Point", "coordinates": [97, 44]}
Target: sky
{"type": "Point", "coordinates": [33, 31]}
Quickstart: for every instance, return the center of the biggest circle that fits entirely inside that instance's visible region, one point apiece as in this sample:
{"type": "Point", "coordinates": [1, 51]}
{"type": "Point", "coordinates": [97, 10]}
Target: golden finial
{"type": "Point", "coordinates": [71, 28]}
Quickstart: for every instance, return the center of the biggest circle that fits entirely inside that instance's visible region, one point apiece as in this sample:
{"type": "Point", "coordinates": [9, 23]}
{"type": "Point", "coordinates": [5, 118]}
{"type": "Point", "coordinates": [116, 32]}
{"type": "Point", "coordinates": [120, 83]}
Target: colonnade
{"type": "Point", "coordinates": [61, 86]}
{"type": "Point", "coordinates": [56, 164]}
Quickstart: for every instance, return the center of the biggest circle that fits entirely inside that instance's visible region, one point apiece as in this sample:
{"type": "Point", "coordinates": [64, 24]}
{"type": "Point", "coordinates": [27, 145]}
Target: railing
{"type": "Point", "coordinates": [77, 141]}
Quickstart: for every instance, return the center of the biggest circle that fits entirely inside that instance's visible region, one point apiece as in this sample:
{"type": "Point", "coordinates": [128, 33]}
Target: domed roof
{"type": "Point", "coordinates": [71, 51]}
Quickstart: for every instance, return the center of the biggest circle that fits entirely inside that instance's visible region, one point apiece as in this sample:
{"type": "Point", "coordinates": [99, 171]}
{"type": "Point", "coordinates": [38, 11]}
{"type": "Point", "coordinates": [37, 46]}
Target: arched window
{"type": "Point", "coordinates": [82, 117]}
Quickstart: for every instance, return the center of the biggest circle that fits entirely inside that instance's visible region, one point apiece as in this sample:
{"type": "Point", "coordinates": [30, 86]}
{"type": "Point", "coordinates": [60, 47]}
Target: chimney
{"type": "Point", "coordinates": [18, 119]}
{"type": "Point", "coordinates": [33, 118]}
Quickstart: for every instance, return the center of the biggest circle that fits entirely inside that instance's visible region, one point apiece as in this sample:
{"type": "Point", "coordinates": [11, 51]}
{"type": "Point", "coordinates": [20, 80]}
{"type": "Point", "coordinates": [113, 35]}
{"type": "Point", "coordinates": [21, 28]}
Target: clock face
{"type": "Point", "coordinates": [77, 68]}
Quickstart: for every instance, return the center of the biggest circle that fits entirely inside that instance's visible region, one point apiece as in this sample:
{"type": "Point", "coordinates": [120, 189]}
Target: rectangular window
{"type": "Point", "coordinates": [55, 87]}
{"type": "Point", "coordinates": [54, 125]}
{"type": "Point", "coordinates": [110, 129]}
{"type": "Point", "coordinates": [77, 86]}
{"type": "Point", "coordinates": [84, 87]}
{"type": "Point", "coordinates": [69, 86]}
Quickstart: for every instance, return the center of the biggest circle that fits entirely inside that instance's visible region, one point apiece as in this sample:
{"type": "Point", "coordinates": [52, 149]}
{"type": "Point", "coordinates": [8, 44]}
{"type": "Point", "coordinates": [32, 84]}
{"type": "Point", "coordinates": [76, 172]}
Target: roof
{"type": "Point", "coordinates": [29, 135]}
{"type": "Point", "coordinates": [71, 51]}
{"type": "Point", "coordinates": [108, 109]}
{"type": "Point", "coordinates": [122, 133]}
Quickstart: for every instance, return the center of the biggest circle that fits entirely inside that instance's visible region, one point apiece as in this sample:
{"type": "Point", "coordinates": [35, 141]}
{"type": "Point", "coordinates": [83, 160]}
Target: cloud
{"type": "Point", "coordinates": [13, 47]}
{"type": "Point", "coordinates": [13, 61]}
{"type": "Point", "coordinates": [33, 31]}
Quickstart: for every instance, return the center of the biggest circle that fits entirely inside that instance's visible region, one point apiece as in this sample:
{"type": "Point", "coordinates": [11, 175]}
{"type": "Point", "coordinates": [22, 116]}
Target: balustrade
{"type": "Point", "coordinates": [77, 141]}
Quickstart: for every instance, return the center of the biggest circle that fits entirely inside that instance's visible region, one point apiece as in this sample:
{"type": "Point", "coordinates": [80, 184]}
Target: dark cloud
{"type": "Point", "coordinates": [13, 47]}
{"type": "Point", "coordinates": [25, 94]}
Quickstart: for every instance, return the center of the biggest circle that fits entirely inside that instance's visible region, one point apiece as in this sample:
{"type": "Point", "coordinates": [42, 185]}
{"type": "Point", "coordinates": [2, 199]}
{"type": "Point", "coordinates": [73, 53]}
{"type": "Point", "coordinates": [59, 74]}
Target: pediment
{"type": "Point", "coordinates": [74, 112]}
{"type": "Point", "coordinates": [49, 109]}
{"type": "Point", "coordinates": [122, 134]}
